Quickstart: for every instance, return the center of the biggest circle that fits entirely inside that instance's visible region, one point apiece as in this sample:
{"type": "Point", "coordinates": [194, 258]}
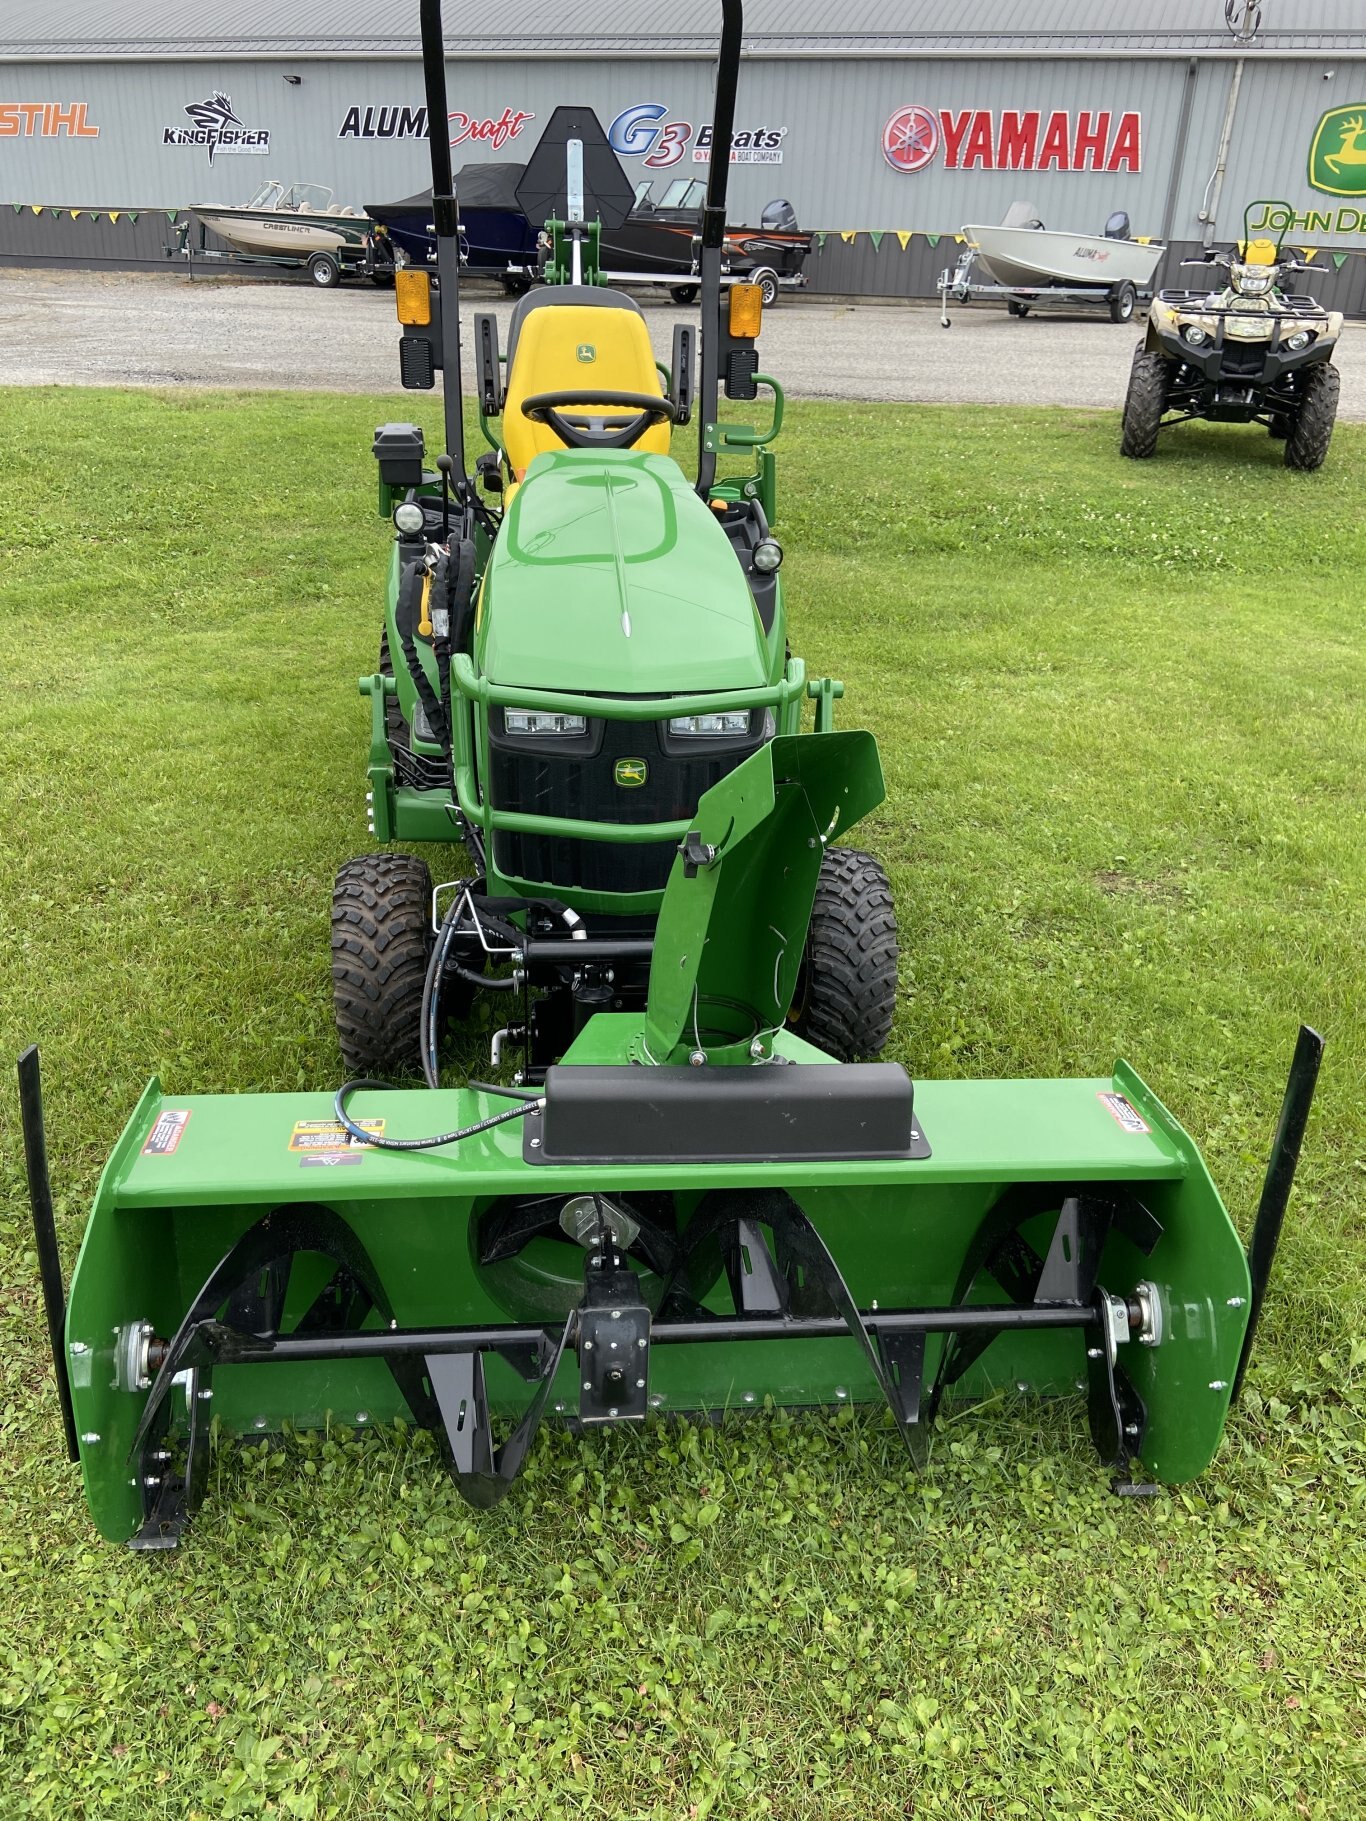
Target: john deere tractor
{"type": "Point", "coordinates": [580, 639]}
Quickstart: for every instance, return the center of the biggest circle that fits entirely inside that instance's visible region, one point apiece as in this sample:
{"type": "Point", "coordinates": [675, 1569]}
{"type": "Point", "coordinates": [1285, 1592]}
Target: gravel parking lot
{"type": "Point", "coordinates": [159, 329]}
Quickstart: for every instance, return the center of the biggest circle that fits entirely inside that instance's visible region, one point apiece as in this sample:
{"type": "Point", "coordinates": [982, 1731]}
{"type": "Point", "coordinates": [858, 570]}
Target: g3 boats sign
{"type": "Point", "coordinates": [1015, 139]}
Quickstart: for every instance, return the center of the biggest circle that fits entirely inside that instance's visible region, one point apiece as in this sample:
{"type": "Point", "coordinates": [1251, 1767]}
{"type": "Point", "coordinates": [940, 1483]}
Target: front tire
{"type": "Point", "coordinates": [381, 943]}
{"type": "Point", "coordinates": [1311, 431]}
{"type": "Point", "coordinates": [1144, 404]}
{"type": "Point", "coordinates": [846, 991]}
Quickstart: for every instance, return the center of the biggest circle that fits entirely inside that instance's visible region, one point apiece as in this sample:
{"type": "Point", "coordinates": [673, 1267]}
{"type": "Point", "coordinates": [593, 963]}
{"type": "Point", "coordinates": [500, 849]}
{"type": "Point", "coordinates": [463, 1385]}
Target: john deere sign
{"type": "Point", "coordinates": [1337, 158]}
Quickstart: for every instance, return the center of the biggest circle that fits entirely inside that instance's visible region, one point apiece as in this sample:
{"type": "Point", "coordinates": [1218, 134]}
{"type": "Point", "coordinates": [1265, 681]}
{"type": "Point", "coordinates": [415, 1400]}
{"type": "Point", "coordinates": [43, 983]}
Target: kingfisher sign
{"type": "Point", "coordinates": [1337, 156]}
{"type": "Point", "coordinates": [981, 139]}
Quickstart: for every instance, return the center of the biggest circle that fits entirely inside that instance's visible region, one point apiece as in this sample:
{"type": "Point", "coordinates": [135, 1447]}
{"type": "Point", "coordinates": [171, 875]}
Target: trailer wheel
{"type": "Point", "coordinates": [1122, 302]}
{"type": "Point", "coordinates": [1311, 429]}
{"type": "Point", "coordinates": [1144, 404]}
{"type": "Point", "coordinates": [846, 990]}
{"type": "Point", "coordinates": [381, 943]}
{"type": "Point", "coordinates": [325, 271]}
{"type": "Point", "coordinates": [1016, 309]}
{"type": "Point", "coordinates": [683, 294]}
{"type": "Point", "coordinates": [769, 290]}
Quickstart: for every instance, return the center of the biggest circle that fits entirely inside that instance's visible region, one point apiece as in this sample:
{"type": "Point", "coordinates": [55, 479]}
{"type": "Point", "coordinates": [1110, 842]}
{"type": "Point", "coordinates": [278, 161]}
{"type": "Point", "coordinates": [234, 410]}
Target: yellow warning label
{"type": "Point", "coordinates": [328, 1135]}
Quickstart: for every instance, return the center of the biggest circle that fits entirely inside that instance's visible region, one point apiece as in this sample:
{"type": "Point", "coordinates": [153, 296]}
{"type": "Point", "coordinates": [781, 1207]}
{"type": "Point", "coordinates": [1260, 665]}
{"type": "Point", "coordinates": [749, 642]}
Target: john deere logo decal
{"type": "Point", "coordinates": [1337, 158]}
{"type": "Point", "coordinates": [631, 773]}
{"type": "Point", "coordinates": [586, 351]}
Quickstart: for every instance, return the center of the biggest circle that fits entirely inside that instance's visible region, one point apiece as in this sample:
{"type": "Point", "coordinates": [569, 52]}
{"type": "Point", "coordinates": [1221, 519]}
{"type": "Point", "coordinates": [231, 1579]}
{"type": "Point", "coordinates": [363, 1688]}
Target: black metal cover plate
{"type": "Point", "coordinates": [802, 1113]}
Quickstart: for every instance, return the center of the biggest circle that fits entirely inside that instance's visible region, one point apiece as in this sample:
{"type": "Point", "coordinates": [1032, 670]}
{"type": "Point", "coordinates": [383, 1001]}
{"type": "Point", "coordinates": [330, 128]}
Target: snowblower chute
{"type": "Point", "coordinates": [696, 1212]}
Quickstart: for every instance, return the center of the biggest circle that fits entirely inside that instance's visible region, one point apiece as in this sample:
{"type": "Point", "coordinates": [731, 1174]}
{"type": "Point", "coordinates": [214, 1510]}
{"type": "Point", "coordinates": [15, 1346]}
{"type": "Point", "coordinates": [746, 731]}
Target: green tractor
{"type": "Point", "coordinates": [695, 1208]}
{"type": "Point", "coordinates": [580, 640]}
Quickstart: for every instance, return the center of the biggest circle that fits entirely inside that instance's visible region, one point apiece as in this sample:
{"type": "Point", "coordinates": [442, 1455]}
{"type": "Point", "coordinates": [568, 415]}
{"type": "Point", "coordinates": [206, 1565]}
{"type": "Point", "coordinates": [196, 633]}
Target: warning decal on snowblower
{"type": "Point", "coordinates": [325, 1143]}
{"type": "Point", "coordinates": [1120, 1110]}
{"type": "Point", "coordinates": [166, 1134]}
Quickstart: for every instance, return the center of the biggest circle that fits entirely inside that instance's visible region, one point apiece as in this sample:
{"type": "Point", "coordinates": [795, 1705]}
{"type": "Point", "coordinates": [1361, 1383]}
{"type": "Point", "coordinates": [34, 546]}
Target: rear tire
{"type": "Point", "coordinates": [381, 943]}
{"type": "Point", "coordinates": [324, 272]}
{"type": "Point", "coordinates": [1144, 404]}
{"type": "Point", "coordinates": [846, 992]}
{"type": "Point", "coordinates": [1123, 300]}
{"type": "Point", "coordinates": [1311, 431]}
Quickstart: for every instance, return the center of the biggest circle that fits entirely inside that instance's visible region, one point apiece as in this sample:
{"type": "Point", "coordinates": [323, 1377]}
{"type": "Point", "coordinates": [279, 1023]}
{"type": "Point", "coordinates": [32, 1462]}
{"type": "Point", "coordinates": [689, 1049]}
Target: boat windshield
{"type": "Point", "coordinates": [307, 196]}
{"type": "Point", "coordinates": [267, 196]}
{"type": "Point", "coordinates": [684, 193]}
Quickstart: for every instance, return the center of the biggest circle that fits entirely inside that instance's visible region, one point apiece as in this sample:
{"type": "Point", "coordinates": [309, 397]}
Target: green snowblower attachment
{"type": "Point", "coordinates": [697, 1212]}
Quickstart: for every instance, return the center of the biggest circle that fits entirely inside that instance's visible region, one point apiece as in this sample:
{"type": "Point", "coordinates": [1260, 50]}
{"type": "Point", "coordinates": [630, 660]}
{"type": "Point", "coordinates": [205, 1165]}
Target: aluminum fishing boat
{"type": "Point", "coordinates": [1022, 252]}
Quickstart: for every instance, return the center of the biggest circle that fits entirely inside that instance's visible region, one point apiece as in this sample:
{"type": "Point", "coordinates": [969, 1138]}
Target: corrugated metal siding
{"type": "Point", "coordinates": [833, 168]}
{"type": "Point", "coordinates": [231, 27]}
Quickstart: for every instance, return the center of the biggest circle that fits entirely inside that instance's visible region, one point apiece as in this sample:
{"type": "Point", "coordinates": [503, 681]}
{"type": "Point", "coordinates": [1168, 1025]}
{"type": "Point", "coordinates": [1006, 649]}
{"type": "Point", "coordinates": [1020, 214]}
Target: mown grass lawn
{"type": "Point", "coordinates": [1122, 712]}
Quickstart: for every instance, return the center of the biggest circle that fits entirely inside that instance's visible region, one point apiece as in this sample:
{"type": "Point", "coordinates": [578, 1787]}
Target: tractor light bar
{"type": "Point", "coordinates": [523, 721]}
{"type": "Point", "coordinates": [413, 296]}
{"type": "Point", "coordinates": [746, 311]}
{"type": "Point", "coordinates": [710, 726]}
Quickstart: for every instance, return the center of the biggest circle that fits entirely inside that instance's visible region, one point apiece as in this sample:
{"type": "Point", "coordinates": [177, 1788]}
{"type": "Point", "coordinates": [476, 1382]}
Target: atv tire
{"type": "Point", "coordinates": [381, 943]}
{"type": "Point", "coordinates": [1306, 447]}
{"type": "Point", "coordinates": [1144, 404]}
{"type": "Point", "coordinates": [846, 990]}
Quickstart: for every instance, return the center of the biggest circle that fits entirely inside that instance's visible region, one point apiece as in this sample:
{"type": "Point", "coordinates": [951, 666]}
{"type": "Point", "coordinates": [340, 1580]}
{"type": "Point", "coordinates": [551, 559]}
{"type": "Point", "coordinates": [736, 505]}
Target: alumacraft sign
{"type": "Point", "coordinates": [981, 139]}
{"type": "Point", "coordinates": [381, 121]}
{"type": "Point", "coordinates": [218, 129]}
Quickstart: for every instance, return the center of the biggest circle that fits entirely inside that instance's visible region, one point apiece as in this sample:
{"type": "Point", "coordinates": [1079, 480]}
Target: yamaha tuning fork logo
{"type": "Point", "coordinates": [217, 128]}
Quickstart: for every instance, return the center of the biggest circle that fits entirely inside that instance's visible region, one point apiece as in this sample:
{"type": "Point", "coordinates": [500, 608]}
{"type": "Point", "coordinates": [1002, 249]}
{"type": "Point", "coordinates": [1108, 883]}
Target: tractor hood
{"type": "Point", "coordinates": [610, 576]}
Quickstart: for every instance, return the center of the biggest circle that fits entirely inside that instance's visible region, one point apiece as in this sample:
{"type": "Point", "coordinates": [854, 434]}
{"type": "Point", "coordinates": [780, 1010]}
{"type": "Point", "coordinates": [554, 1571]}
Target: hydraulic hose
{"type": "Point", "coordinates": [361, 1136]}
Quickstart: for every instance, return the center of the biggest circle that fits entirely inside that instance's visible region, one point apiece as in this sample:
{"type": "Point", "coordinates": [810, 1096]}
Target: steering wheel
{"type": "Point", "coordinates": [593, 428]}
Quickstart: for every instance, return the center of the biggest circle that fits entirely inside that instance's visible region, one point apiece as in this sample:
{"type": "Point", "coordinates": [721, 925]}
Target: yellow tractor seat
{"type": "Point", "coordinates": [572, 338]}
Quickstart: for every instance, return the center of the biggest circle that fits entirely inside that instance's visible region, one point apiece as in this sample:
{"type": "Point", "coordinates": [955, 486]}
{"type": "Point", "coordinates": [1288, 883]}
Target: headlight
{"type": "Point", "coordinates": [711, 726]}
{"type": "Point", "coordinates": [408, 518]}
{"type": "Point", "coordinates": [520, 721]}
{"type": "Point", "coordinates": [1252, 281]}
{"type": "Point", "coordinates": [1300, 339]}
{"type": "Point", "coordinates": [1193, 335]}
{"type": "Point", "coordinates": [768, 555]}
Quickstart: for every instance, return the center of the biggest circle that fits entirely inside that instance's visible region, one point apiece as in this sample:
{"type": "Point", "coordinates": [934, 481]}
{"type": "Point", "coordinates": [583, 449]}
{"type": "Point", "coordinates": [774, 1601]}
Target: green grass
{"type": "Point", "coordinates": [1121, 711]}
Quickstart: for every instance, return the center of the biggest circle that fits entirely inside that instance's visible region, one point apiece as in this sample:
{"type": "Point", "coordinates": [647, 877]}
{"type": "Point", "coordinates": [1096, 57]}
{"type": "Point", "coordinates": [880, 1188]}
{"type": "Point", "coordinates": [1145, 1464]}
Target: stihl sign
{"type": "Point", "coordinates": [45, 120]}
{"type": "Point", "coordinates": [980, 139]}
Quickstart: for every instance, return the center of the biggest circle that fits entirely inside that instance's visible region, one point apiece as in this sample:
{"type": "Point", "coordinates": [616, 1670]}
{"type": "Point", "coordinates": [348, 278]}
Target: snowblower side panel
{"type": "Point", "coordinates": [343, 1243]}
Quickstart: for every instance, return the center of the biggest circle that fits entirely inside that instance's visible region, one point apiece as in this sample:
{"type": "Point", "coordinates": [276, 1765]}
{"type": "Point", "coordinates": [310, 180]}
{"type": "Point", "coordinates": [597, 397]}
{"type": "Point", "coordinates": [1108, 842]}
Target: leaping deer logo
{"type": "Point", "coordinates": [1348, 152]}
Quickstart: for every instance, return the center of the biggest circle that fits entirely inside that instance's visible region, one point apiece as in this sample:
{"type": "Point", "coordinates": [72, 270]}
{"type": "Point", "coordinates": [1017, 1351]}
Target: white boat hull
{"type": "Point", "coordinates": [1036, 258]}
{"type": "Point", "coordinates": [278, 234]}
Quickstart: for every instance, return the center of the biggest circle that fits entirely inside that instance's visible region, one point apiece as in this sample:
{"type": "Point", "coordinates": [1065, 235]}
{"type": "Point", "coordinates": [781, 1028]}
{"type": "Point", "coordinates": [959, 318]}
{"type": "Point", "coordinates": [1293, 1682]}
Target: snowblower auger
{"type": "Point", "coordinates": [697, 1211]}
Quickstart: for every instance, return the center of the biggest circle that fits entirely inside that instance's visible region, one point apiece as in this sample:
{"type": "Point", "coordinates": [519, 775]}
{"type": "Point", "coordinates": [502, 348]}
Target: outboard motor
{"type": "Point", "coordinates": [1117, 227]}
{"type": "Point", "coordinates": [779, 217]}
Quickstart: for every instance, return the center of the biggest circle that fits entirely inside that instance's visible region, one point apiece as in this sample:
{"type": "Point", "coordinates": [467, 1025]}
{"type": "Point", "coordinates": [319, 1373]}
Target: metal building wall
{"type": "Point", "coordinates": [830, 112]}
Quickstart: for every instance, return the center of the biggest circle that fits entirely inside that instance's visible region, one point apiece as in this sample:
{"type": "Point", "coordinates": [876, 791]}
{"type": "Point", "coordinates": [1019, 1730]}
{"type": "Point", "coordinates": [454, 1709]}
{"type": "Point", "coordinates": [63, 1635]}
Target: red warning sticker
{"type": "Point", "coordinates": [1124, 1114]}
{"type": "Point", "coordinates": [166, 1134]}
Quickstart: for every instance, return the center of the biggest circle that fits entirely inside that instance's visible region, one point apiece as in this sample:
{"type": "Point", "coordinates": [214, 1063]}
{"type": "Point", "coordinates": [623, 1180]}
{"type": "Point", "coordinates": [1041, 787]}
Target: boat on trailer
{"type": "Point", "coordinates": [1022, 263]}
{"type": "Point", "coordinates": [294, 220]}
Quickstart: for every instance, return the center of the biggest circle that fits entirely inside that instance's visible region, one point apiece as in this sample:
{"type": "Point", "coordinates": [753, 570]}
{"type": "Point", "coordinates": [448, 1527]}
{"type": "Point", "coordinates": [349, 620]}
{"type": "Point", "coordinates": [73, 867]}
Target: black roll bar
{"type": "Point", "coordinates": [714, 233]}
{"type": "Point", "coordinates": [447, 220]}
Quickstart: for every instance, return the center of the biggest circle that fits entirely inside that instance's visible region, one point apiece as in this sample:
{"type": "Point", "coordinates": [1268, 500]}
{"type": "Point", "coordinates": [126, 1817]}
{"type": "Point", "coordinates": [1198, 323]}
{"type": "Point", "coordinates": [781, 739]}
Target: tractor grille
{"type": "Point", "coordinates": [583, 784]}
